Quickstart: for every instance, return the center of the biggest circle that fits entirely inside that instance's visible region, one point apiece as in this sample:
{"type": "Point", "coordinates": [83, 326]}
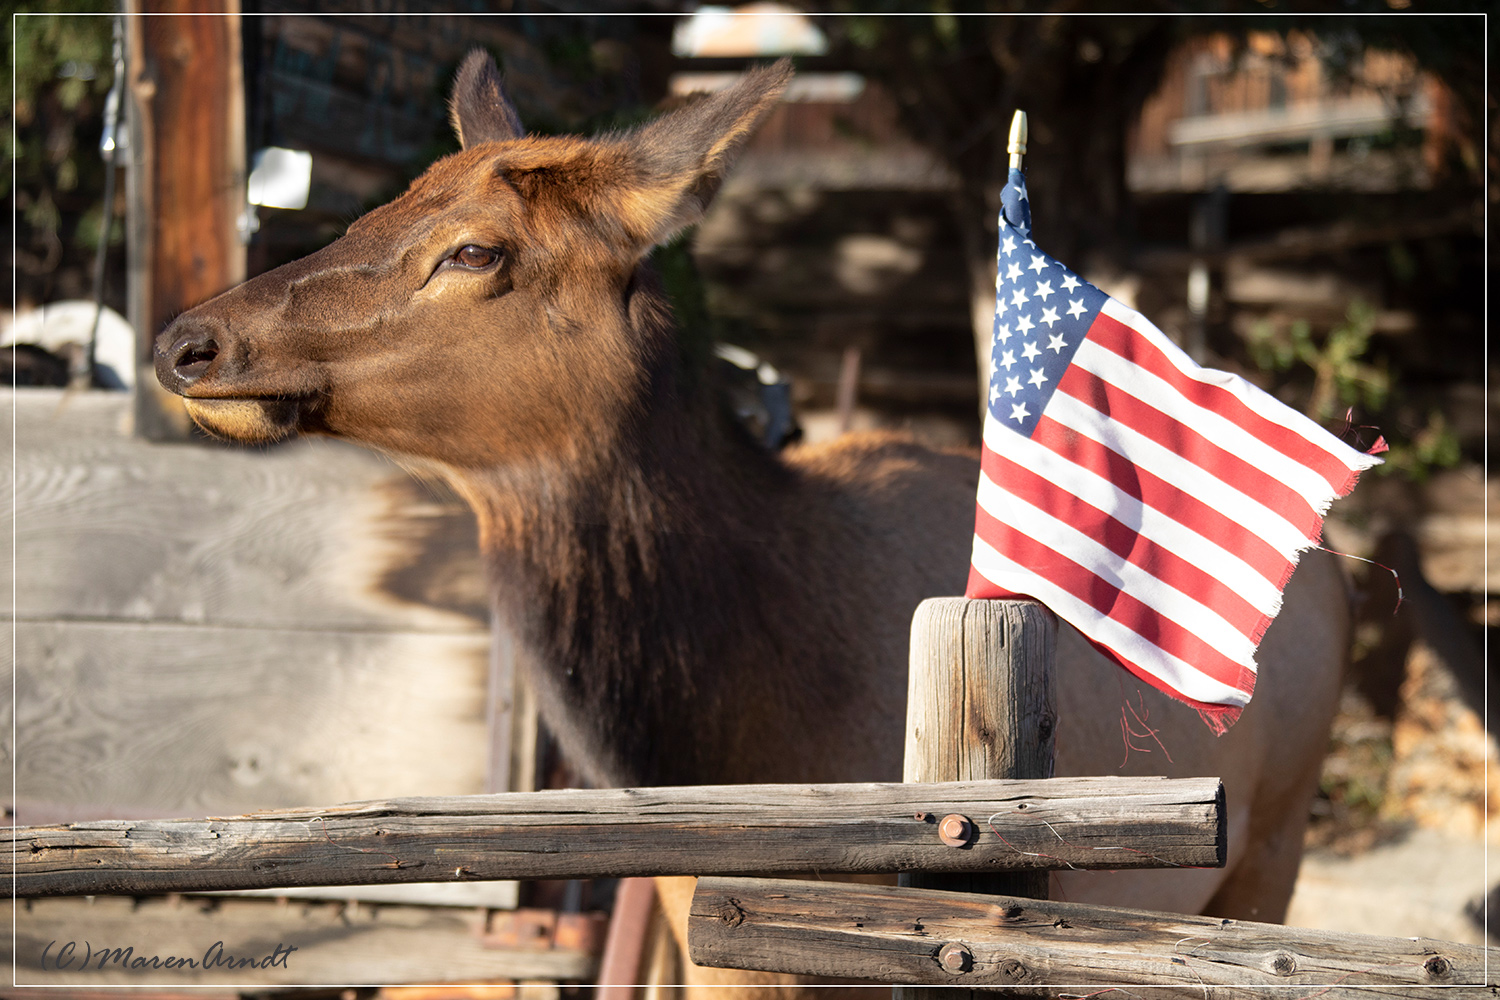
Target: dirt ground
{"type": "Point", "coordinates": [1425, 883]}
{"type": "Point", "coordinates": [1400, 841]}
{"type": "Point", "coordinates": [1403, 830]}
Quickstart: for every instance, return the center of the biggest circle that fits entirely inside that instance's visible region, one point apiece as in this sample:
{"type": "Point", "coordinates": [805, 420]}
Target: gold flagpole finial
{"type": "Point", "coordinates": [1017, 146]}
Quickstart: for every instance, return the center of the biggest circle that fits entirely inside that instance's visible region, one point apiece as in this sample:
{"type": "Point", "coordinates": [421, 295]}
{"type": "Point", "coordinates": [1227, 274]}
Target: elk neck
{"type": "Point", "coordinates": [624, 568]}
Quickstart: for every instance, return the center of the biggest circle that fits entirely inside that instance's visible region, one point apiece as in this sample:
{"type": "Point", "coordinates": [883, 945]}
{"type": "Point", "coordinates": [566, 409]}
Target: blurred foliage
{"type": "Point", "coordinates": [956, 81]}
{"type": "Point", "coordinates": [1349, 814]}
{"type": "Point", "coordinates": [1344, 379]}
{"type": "Point", "coordinates": [63, 69]}
{"type": "Point", "coordinates": [1082, 81]}
{"type": "Point", "coordinates": [1433, 446]}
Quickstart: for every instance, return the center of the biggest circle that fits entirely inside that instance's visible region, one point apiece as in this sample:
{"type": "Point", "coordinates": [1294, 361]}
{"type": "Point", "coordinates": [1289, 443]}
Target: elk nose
{"type": "Point", "coordinates": [184, 352]}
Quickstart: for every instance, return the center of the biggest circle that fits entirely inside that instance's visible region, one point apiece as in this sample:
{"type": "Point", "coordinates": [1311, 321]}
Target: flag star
{"type": "Point", "coordinates": [1024, 324]}
{"type": "Point", "coordinates": [1071, 283]}
{"type": "Point", "coordinates": [1009, 246]}
{"type": "Point", "coordinates": [1021, 192]}
{"type": "Point", "coordinates": [1000, 306]}
{"type": "Point", "coordinates": [995, 390]}
{"type": "Point", "coordinates": [1025, 230]}
{"type": "Point", "coordinates": [1002, 332]}
{"type": "Point", "coordinates": [1043, 289]}
{"type": "Point", "coordinates": [1018, 298]}
{"type": "Point", "coordinates": [1050, 317]}
{"type": "Point", "coordinates": [1029, 352]}
{"type": "Point", "coordinates": [1018, 412]}
{"type": "Point", "coordinates": [1008, 359]}
{"type": "Point", "coordinates": [1012, 385]}
{"type": "Point", "coordinates": [1075, 308]}
{"type": "Point", "coordinates": [1056, 343]}
{"type": "Point", "coordinates": [1038, 263]}
{"type": "Point", "coordinates": [1014, 272]}
{"type": "Point", "coordinates": [1037, 378]}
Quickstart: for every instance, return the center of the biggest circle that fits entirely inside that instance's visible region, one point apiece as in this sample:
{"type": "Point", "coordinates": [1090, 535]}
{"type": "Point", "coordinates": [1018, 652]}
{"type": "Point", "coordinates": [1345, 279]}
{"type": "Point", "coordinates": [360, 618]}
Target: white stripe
{"type": "Point", "coordinates": [1253, 397]}
{"type": "Point", "coordinates": [1119, 572]}
{"type": "Point", "coordinates": [1223, 432]}
{"type": "Point", "coordinates": [1156, 526]}
{"type": "Point", "coordinates": [1174, 673]}
{"type": "Point", "coordinates": [1166, 464]}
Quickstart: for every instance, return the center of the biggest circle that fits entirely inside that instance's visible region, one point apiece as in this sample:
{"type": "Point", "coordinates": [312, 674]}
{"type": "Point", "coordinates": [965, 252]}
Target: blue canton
{"type": "Point", "coordinates": [1043, 311]}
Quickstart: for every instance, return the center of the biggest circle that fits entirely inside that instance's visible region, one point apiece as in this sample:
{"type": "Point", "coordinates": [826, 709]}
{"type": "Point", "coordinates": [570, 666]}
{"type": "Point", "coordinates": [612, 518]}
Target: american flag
{"type": "Point", "coordinates": [1157, 506]}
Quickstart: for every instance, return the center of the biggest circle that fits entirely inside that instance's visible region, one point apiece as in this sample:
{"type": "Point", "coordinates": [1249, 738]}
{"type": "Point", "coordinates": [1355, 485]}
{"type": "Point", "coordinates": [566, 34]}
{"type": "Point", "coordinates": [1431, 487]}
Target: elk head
{"type": "Point", "coordinates": [485, 317]}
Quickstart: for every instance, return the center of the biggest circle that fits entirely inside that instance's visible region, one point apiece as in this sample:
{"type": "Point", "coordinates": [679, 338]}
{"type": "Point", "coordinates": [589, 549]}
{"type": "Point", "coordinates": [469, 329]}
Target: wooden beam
{"type": "Point", "coordinates": [1303, 242]}
{"type": "Point", "coordinates": [186, 187]}
{"type": "Point", "coordinates": [1107, 823]}
{"type": "Point", "coordinates": [903, 936]}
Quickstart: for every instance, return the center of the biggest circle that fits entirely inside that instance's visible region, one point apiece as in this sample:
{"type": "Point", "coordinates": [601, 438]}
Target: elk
{"type": "Point", "coordinates": [689, 606]}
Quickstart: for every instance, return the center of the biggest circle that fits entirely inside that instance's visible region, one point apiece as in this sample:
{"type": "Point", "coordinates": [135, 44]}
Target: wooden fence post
{"type": "Point", "coordinates": [981, 703]}
{"type": "Point", "coordinates": [186, 185]}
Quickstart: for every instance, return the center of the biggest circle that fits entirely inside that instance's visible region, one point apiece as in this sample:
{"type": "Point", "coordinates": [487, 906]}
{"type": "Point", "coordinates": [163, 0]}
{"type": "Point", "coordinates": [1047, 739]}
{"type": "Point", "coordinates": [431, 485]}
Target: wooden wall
{"type": "Point", "coordinates": [205, 629]}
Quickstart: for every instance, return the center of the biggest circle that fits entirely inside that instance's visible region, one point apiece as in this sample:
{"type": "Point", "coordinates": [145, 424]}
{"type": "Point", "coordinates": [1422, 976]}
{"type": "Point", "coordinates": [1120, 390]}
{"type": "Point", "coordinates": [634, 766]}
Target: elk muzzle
{"type": "Point", "coordinates": [189, 353]}
{"type": "Point", "coordinates": [185, 351]}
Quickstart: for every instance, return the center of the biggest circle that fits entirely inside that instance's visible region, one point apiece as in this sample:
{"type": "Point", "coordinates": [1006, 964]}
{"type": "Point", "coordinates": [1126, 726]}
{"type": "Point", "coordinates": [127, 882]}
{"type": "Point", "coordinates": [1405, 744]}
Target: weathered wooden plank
{"type": "Point", "coordinates": [187, 130]}
{"type": "Point", "coordinates": [222, 720]}
{"type": "Point", "coordinates": [468, 895]}
{"type": "Point", "coordinates": [335, 944]}
{"type": "Point", "coordinates": [730, 829]}
{"type": "Point", "coordinates": [314, 534]}
{"type": "Point", "coordinates": [1032, 947]}
{"type": "Point", "coordinates": [218, 630]}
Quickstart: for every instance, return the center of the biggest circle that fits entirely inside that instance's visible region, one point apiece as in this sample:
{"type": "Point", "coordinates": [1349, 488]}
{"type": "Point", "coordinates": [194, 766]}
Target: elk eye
{"type": "Point", "coordinates": [475, 257]}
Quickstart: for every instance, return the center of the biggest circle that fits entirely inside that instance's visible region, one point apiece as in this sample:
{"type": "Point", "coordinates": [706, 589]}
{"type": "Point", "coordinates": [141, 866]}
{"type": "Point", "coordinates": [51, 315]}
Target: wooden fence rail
{"type": "Point", "coordinates": [1114, 822]}
{"type": "Point", "coordinates": [925, 936]}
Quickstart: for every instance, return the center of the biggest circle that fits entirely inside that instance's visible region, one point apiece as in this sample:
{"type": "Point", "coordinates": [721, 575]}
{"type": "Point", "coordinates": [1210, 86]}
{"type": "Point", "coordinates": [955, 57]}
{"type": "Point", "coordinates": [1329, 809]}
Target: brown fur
{"type": "Point", "coordinates": [689, 607]}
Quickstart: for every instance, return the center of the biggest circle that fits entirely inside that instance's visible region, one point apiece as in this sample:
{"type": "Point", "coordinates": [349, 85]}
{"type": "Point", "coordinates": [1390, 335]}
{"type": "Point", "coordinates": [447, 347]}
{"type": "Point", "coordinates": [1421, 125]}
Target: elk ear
{"type": "Point", "coordinates": [479, 110]}
{"type": "Point", "coordinates": [682, 158]}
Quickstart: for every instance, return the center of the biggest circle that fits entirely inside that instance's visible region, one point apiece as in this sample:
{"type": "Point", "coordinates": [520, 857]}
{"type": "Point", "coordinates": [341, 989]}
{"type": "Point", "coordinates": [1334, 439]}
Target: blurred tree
{"type": "Point", "coordinates": [957, 80]}
{"type": "Point", "coordinates": [63, 69]}
{"type": "Point", "coordinates": [1341, 376]}
{"type": "Point", "coordinates": [1083, 79]}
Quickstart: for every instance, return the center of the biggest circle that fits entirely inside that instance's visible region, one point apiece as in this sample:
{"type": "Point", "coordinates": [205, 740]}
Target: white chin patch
{"type": "Point", "coordinates": [253, 421]}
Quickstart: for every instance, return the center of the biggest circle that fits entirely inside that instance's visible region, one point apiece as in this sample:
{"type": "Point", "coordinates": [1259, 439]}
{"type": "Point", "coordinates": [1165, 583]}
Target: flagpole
{"type": "Point", "coordinates": [1017, 145]}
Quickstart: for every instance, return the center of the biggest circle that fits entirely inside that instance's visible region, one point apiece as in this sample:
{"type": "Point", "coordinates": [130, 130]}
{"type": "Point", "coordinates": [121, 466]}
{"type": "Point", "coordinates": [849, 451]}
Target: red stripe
{"type": "Point", "coordinates": [1125, 542]}
{"type": "Point", "coordinates": [1157, 493]}
{"type": "Point", "coordinates": [1113, 335]}
{"type": "Point", "coordinates": [1109, 601]}
{"type": "Point", "coordinates": [1120, 406]}
{"type": "Point", "coordinates": [1218, 717]}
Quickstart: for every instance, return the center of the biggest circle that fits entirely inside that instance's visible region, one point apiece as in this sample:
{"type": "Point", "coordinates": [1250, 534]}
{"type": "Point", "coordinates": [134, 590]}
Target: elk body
{"type": "Point", "coordinates": [690, 607]}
